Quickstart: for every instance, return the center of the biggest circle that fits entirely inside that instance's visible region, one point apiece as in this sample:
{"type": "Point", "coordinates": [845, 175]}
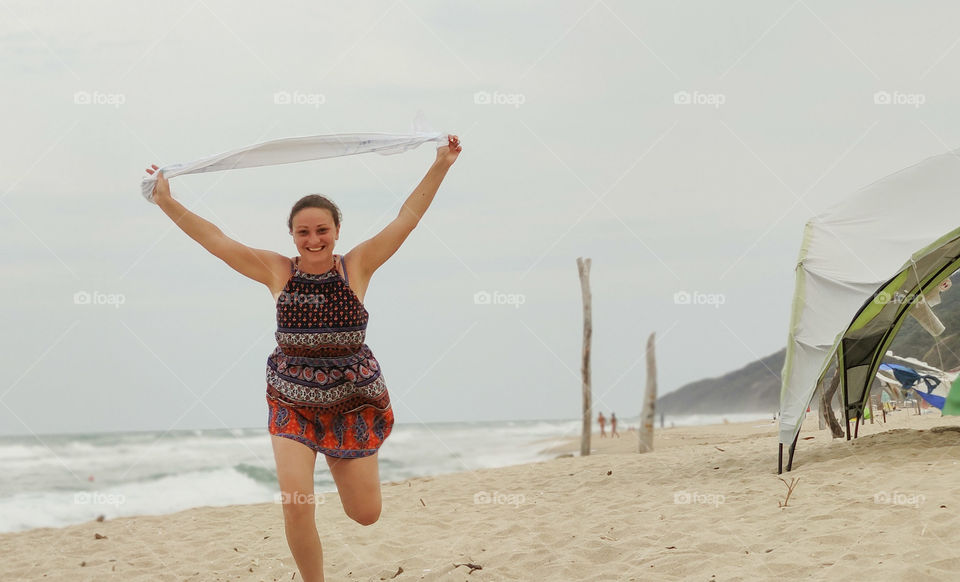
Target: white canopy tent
{"type": "Point", "coordinates": [862, 265]}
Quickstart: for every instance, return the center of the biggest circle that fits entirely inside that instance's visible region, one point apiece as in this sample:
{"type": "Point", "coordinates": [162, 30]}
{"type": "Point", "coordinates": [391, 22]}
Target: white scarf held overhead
{"type": "Point", "coordinates": [297, 149]}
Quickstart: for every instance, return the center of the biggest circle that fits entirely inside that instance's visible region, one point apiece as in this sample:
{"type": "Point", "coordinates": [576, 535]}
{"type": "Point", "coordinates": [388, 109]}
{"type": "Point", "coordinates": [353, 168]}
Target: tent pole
{"type": "Point", "coordinates": [842, 370]}
{"type": "Point", "coordinates": [780, 460]}
{"type": "Point", "coordinates": [846, 410]}
{"type": "Point", "coordinates": [856, 427]}
{"type": "Point", "coordinates": [793, 449]}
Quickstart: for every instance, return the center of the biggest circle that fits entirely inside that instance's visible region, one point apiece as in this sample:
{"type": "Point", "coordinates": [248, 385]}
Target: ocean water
{"type": "Point", "coordinates": [58, 480]}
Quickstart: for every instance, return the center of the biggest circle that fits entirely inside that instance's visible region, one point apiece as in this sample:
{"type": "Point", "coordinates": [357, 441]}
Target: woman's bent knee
{"type": "Point", "coordinates": [366, 516]}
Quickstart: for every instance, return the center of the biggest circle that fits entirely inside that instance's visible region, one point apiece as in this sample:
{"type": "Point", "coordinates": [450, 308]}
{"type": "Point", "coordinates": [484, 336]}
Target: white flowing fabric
{"type": "Point", "coordinates": [297, 149]}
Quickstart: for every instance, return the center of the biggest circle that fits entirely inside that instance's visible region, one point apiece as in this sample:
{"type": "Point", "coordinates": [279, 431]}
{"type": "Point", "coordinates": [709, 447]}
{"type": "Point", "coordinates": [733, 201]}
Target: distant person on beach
{"type": "Point", "coordinates": [602, 421]}
{"type": "Point", "coordinates": [325, 393]}
{"type": "Point", "coordinates": [613, 425]}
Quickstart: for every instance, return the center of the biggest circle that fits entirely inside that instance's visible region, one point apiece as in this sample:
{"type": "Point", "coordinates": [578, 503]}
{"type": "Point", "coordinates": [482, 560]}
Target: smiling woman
{"type": "Point", "coordinates": [325, 391]}
{"type": "Point", "coordinates": [318, 223]}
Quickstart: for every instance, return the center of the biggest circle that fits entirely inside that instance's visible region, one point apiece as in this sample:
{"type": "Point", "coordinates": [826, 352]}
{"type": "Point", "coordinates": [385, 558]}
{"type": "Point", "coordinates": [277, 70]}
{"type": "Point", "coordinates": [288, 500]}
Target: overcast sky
{"type": "Point", "coordinates": [681, 146]}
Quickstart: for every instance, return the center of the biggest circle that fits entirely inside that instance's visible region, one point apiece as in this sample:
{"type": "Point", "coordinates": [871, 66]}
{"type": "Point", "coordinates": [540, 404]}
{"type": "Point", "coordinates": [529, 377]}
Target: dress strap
{"type": "Point", "coordinates": [343, 265]}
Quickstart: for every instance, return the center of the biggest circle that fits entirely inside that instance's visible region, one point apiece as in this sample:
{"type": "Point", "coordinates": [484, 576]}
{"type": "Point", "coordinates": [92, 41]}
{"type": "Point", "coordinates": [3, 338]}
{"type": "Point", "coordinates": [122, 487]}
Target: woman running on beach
{"type": "Point", "coordinates": [325, 392]}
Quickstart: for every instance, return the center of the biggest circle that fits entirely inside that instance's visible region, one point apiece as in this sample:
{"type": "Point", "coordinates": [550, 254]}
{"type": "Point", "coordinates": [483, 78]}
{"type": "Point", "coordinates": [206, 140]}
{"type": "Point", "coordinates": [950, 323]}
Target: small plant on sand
{"type": "Point", "coordinates": [790, 487]}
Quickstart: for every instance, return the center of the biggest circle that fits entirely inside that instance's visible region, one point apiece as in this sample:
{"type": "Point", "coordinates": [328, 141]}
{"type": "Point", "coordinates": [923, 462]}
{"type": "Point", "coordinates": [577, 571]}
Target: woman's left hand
{"type": "Point", "coordinates": [448, 154]}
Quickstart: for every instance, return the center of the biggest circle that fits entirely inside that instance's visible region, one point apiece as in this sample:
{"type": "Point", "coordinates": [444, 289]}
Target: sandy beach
{"type": "Point", "coordinates": [703, 506]}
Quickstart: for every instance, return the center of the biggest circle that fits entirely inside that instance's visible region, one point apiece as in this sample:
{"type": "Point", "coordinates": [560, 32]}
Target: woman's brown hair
{"type": "Point", "coordinates": [314, 201]}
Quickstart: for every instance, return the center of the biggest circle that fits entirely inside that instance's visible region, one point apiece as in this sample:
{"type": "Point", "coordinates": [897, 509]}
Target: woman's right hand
{"type": "Point", "coordinates": [162, 188]}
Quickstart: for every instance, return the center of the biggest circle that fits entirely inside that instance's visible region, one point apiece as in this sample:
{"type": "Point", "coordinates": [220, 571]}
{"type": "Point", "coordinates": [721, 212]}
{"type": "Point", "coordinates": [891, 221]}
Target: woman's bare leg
{"type": "Point", "coordinates": [295, 464]}
{"type": "Point", "coordinates": [358, 482]}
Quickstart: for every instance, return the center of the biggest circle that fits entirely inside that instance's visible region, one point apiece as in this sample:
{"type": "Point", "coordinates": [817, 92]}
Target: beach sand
{"type": "Point", "coordinates": [703, 506]}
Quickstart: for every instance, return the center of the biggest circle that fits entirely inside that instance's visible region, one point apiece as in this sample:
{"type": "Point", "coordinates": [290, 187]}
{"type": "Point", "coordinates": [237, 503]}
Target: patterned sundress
{"type": "Point", "coordinates": [324, 387]}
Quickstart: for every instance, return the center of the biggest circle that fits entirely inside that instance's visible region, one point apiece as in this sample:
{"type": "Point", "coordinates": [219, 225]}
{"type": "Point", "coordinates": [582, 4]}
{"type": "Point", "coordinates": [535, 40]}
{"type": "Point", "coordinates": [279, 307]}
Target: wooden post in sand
{"type": "Point", "coordinates": [818, 396]}
{"type": "Point", "coordinates": [649, 400]}
{"type": "Point", "coordinates": [826, 408]}
{"type": "Point", "coordinates": [583, 266]}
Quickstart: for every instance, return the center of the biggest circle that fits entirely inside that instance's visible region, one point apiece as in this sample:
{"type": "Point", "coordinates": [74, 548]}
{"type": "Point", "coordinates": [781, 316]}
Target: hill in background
{"type": "Point", "coordinates": [753, 388]}
{"type": "Point", "coordinates": [756, 386]}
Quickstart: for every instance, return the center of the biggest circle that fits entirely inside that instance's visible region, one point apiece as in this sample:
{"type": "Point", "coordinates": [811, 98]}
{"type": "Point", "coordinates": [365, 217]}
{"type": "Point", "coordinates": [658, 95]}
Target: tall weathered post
{"type": "Point", "coordinates": [826, 407]}
{"type": "Point", "coordinates": [583, 266]}
{"type": "Point", "coordinates": [649, 400]}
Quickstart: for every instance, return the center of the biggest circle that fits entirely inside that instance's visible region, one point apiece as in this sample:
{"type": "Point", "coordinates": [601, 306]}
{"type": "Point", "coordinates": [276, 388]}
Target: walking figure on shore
{"type": "Point", "coordinates": [602, 421]}
{"type": "Point", "coordinates": [613, 425]}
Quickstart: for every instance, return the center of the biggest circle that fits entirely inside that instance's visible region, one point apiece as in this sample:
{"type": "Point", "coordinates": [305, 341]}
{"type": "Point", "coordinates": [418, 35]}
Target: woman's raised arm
{"type": "Point", "coordinates": [266, 267]}
{"type": "Point", "coordinates": [372, 253]}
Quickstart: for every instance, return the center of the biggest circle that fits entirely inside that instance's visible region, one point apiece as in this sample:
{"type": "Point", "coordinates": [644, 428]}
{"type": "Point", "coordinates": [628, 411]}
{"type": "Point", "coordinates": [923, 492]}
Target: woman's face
{"type": "Point", "coordinates": [315, 233]}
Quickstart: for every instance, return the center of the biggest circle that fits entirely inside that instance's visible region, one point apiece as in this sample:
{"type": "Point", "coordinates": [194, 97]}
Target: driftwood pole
{"type": "Point", "coordinates": [649, 400]}
{"type": "Point", "coordinates": [583, 266]}
{"type": "Point", "coordinates": [818, 396]}
{"type": "Point", "coordinates": [826, 407]}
